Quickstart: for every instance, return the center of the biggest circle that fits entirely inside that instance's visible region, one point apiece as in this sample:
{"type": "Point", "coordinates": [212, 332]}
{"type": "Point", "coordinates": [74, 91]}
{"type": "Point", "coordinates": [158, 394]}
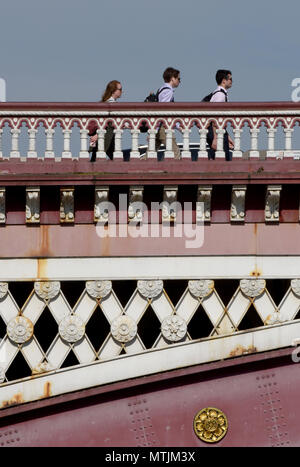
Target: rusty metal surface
{"type": "Point", "coordinates": [258, 394]}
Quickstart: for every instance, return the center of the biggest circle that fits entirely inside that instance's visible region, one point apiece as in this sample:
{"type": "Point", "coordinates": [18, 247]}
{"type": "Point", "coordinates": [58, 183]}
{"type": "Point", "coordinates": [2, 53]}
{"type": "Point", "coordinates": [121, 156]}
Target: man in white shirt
{"type": "Point", "coordinates": [171, 78]}
{"type": "Point", "coordinates": [224, 82]}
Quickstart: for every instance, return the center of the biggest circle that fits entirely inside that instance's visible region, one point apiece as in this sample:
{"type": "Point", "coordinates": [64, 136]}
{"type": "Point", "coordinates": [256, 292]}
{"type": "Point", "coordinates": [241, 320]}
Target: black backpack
{"type": "Point", "coordinates": [153, 97]}
{"type": "Point", "coordinates": [209, 96]}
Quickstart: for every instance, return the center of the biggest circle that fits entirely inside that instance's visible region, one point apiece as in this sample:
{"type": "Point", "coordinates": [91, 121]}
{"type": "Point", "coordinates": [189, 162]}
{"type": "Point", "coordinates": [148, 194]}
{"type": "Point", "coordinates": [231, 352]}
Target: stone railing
{"type": "Point", "coordinates": [59, 131]}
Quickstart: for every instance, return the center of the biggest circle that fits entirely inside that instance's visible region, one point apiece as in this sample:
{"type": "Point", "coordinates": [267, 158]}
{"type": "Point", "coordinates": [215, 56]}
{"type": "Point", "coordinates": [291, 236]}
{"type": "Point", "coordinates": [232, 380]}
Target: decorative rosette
{"type": "Point", "coordinates": [174, 328]}
{"type": "Point", "coordinates": [98, 289]}
{"type": "Point", "coordinates": [123, 329]}
{"type": "Point", "coordinates": [210, 425]}
{"type": "Point", "coordinates": [252, 287]}
{"type": "Point", "coordinates": [47, 289]}
{"type": "Point", "coordinates": [20, 329]}
{"type": "Point", "coordinates": [71, 329]}
{"type": "Point", "coordinates": [201, 288]}
{"type": "Point", "coordinates": [150, 289]}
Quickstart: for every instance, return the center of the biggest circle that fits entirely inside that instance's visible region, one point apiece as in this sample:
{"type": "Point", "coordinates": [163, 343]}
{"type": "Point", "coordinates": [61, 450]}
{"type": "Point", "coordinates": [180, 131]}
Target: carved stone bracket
{"type": "Point", "coordinates": [66, 205]}
{"type": "Point", "coordinates": [47, 289]}
{"type": "Point", "coordinates": [252, 287]}
{"type": "Point", "coordinates": [150, 289]}
{"type": "Point", "coordinates": [169, 203]}
{"type": "Point", "coordinates": [2, 206]}
{"type": "Point", "coordinates": [203, 205]}
{"type": "Point", "coordinates": [174, 328]}
{"type": "Point", "coordinates": [272, 203]}
{"type": "Point", "coordinates": [201, 288]}
{"type": "Point", "coordinates": [98, 289]}
{"type": "Point", "coordinates": [135, 207]}
{"type": "Point", "coordinates": [32, 205]}
{"type": "Point", "coordinates": [123, 329]}
{"type": "Point", "coordinates": [238, 196]}
{"type": "Point", "coordinates": [101, 208]}
{"type": "Point", "coordinates": [71, 329]}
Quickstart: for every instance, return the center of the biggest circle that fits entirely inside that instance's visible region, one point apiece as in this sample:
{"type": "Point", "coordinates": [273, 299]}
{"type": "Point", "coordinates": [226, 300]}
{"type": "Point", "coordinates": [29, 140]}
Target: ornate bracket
{"type": "Point", "coordinates": [238, 196]}
{"type": "Point", "coordinates": [169, 203]}
{"type": "Point", "coordinates": [32, 205]}
{"type": "Point", "coordinates": [101, 210]}
{"type": "Point", "coordinates": [66, 205]}
{"type": "Point", "coordinates": [135, 208]}
{"type": "Point", "coordinates": [203, 205]}
{"type": "Point", "coordinates": [2, 206]}
{"type": "Point", "coordinates": [272, 203]}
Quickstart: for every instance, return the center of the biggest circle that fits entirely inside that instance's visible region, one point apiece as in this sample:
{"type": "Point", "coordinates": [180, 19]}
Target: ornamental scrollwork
{"type": "Point", "coordinates": [98, 289]}
{"type": "Point", "coordinates": [295, 284]}
{"type": "Point", "coordinates": [71, 329]}
{"type": "Point", "coordinates": [20, 329]}
{"type": "Point", "coordinates": [174, 328]}
{"type": "Point", "coordinates": [3, 289]}
{"type": "Point", "coordinates": [47, 289]}
{"type": "Point", "coordinates": [150, 289]}
{"type": "Point", "coordinates": [210, 425]}
{"type": "Point", "coordinates": [201, 288]}
{"type": "Point", "coordinates": [252, 287]}
{"type": "Point", "coordinates": [123, 329]}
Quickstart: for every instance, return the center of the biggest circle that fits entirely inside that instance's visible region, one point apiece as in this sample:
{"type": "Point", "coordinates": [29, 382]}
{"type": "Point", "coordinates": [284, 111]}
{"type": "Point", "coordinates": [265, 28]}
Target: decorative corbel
{"type": "Point", "coordinates": [101, 204]}
{"type": "Point", "coordinates": [238, 196]}
{"type": "Point", "coordinates": [203, 205]}
{"type": "Point", "coordinates": [67, 205]}
{"type": "Point", "coordinates": [272, 203]}
{"type": "Point", "coordinates": [32, 205]}
{"type": "Point", "coordinates": [135, 207]}
{"type": "Point", "coordinates": [169, 203]}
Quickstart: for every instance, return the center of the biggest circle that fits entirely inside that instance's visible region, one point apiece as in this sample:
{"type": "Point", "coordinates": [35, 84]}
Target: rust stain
{"type": "Point", "coordinates": [42, 268]}
{"type": "Point", "coordinates": [240, 350]}
{"type": "Point", "coordinates": [47, 390]}
{"type": "Point", "coordinates": [15, 400]}
{"type": "Point", "coordinates": [256, 273]}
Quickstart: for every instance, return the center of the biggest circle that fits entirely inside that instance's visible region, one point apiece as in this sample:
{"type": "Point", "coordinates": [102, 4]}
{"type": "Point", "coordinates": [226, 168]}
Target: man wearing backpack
{"type": "Point", "coordinates": [171, 78]}
{"type": "Point", "coordinates": [224, 82]}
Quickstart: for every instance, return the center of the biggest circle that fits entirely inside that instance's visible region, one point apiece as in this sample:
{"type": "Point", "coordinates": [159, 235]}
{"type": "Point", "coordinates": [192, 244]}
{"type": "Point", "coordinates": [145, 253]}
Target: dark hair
{"type": "Point", "coordinates": [110, 89]}
{"type": "Point", "coordinates": [222, 74]}
{"type": "Point", "coordinates": [170, 73]}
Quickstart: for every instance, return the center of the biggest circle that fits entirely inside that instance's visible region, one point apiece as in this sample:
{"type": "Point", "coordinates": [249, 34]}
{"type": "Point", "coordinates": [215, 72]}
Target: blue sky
{"type": "Point", "coordinates": [67, 50]}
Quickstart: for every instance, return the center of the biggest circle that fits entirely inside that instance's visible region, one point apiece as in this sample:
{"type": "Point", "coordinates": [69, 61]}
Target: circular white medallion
{"type": "Point", "coordinates": [252, 287]}
{"type": "Point", "coordinates": [174, 328]}
{"type": "Point", "coordinates": [47, 289]}
{"type": "Point", "coordinates": [71, 328]}
{"type": "Point", "coordinates": [295, 284]}
{"type": "Point", "coordinates": [123, 329]}
{"type": "Point", "coordinates": [201, 288]}
{"type": "Point", "coordinates": [20, 329]}
{"type": "Point", "coordinates": [150, 289]}
{"type": "Point", "coordinates": [98, 289]}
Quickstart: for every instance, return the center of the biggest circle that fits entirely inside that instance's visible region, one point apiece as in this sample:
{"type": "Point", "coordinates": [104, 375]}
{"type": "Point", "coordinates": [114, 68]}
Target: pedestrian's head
{"type": "Point", "coordinates": [113, 89]}
{"type": "Point", "coordinates": [224, 78]}
{"type": "Point", "coordinates": [172, 76]}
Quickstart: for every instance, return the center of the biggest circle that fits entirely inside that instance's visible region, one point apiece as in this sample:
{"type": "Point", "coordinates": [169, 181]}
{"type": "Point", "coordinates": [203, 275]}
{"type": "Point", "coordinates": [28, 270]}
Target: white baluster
{"type": "Point", "coordinates": [49, 153]}
{"type": "Point", "coordinates": [101, 153]}
{"type": "Point", "coordinates": [118, 154]}
{"type": "Point", "coordinates": [220, 153]}
{"type": "Point", "coordinates": [254, 141]}
{"type": "Point", "coordinates": [271, 142]}
{"type": "Point", "coordinates": [66, 154]}
{"type": "Point", "coordinates": [15, 153]}
{"type": "Point", "coordinates": [202, 153]}
{"type": "Point", "coordinates": [135, 153]}
{"type": "Point", "coordinates": [237, 143]}
{"type": "Point", "coordinates": [288, 142]}
{"type": "Point", "coordinates": [1, 153]}
{"type": "Point", "coordinates": [186, 153]}
{"type": "Point", "coordinates": [169, 153]}
{"type": "Point", "coordinates": [84, 154]}
{"type": "Point", "coordinates": [152, 154]}
{"type": "Point", "coordinates": [31, 153]}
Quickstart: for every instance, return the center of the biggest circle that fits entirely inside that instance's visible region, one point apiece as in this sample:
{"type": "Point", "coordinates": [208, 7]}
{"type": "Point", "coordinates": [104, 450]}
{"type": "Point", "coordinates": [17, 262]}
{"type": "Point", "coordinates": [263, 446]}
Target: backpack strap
{"type": "Point", "coordinates": [162, 89]}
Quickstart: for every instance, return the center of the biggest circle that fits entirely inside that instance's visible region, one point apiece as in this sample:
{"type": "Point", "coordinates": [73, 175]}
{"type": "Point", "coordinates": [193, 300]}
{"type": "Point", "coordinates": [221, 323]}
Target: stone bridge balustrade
{"type": "Point", "coordinates": [54, 124]}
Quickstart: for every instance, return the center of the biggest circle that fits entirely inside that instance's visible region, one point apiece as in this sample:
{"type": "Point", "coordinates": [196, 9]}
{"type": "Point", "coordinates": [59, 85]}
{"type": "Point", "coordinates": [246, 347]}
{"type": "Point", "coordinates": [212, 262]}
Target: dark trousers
{"type": "Point", "coordinates": [212, 152]}
{"type": "Point", "coordinates": [109, 144]}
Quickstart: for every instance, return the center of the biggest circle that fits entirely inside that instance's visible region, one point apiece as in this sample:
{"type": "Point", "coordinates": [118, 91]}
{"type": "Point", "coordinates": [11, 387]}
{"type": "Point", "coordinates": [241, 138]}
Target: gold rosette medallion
{"type": "Point", "coordinates": [210, 425]}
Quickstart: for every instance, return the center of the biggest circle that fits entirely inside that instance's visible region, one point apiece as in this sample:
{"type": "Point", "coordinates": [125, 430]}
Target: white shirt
{"type": "Point", "coordinates": [167, 95]}
{"type": "Point", "coordinates": [219, 96]}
